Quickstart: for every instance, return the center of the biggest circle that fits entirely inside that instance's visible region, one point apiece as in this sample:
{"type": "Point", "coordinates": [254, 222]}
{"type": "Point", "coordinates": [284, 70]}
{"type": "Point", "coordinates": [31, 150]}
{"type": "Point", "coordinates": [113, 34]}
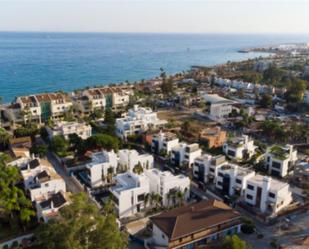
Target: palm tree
{"type": "Point", "coordinates": [180, 197]}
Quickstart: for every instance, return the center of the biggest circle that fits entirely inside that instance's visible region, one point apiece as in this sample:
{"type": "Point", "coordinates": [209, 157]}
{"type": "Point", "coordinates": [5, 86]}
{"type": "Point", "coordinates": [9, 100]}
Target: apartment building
{"type": "Point", "coordinates": [40, 179]}
{"type": "Point", "coordinates": [128, 159]}
{"type": "Point", "coordinates": [49, 207]}
{"type": "Point", "coordinates": [232, 179]}
{"type": "Point", "coordinates": [102, 164]}
{"type": "Point", "coordinates": [41, 107]}
{"type": "Point", "coordinates": [219, 108]}
{"type": "Point", "coordinates": [239, 148]}
{"type": "Point", "coordinates": [184, 154]}
{"type": "Point", "coordinates": [137, 121]}
{"type": "Point", "coordinates": [65, 129]}
{"type": "Point", "coordinates": [129, 193]}
{"type": "Point", "coordinates": [267, 194]}
{"type": "Point", "coordinates": [280, 160]}
{"type": "Point", "coordinates": [214, 137]}
{"type": "Point", "coordinates": [96, 99]}
{"type": "Point", "coordinates": [194, 225]}
{"type": "Point", "coordinates": [164, 142]}
{"type": "Point", "coordinates": [166, 184]}
{"type": "Point", "coordinates": [205, 168]}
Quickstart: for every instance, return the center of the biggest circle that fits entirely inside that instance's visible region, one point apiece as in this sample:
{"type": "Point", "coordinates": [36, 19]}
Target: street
{"type": "Point", "coordinates": [71, 185]}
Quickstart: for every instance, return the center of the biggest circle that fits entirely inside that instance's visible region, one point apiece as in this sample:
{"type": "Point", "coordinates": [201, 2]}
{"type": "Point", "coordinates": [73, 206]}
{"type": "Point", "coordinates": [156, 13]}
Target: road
{"type": "Point", "coordinates": [71, 185]}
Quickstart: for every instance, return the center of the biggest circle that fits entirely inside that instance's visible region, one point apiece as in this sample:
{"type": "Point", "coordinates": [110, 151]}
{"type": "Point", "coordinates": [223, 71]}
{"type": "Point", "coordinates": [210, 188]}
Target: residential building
{"type": "Point", "coordinates": [167, 185]}
{"type": "Point", "coordinates": [214, 137]}
{"type": "Point", "coordinates": [96, 99]}
{"type": "Point", "coordinates": [193, 225]}
{"type": "Point", "coordinates": [205, 168]}
{"type": "Point", "coordinates": [232, 179]}
{"type": "Point", "coordinates": [239, 148]}
{"type": "Point", "coordinates": [128, 159]}
{"type": "Point", "coordinates": [48, 207]}
{"type": "Point", "coordinates": [41, 107]}
{"type": "Point", "coordinates": [219, 108]}
{"type": "Point", "coordinates": [65, 129]}
{"type": "Point", "coordinates": [129, 193]}
{"type": "Point", "coordinates": [267, 194]}
{"type": "Point", "coordinates": [137, 121]}
{"type": "Point", "coordinates": [102, 164]}
{"type": "Point", "coordinates": [184, 154]}
{"type": "Point", "coordinates": [40, 179]}
{"type": "Point", "coordinates": [280, 160]}
{"type": "Point", "coordinates": [164, 142]}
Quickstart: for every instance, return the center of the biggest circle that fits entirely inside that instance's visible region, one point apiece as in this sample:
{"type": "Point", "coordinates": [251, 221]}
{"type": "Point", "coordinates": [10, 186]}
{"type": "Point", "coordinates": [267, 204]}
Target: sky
{"type": "Point", "coordinates": [156, 16]}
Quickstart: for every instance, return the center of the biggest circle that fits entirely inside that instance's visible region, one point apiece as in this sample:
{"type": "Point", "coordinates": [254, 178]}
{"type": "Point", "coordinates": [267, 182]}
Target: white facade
{"type": "Point", "coordinates": [130, 158]}
{"type": "Point", "coordinates": [66, 128]}
{"type": "Point", "coordinates": [205, 168]}
{"type": "Point", "coordinates": [129, 193]}
{"type": "Point", "coordinates": [162, 182]}
{"type": "Point", "coordinates": [96, 98]}
{"type": "Point", "coordinates": [232, 179]}
{"type": "Point", "coordinates": [239, 148]}
{"type": "Point", "coordinates": [42, 180]}
{"type": "Point", "coordinates": [136, 121]}
{"type": "Point", "coordinates": [280, 160]}
{"type": "Point", "coordinates": [164, 141]}
{"type": "Point", "coordinates": [219, 107]}
{"type": "Point", "coordinates": [98, 169]}
{"type": "Point", "coordinates": [185, 154]}
{"type": "Point", "coordinates": [267, 194]}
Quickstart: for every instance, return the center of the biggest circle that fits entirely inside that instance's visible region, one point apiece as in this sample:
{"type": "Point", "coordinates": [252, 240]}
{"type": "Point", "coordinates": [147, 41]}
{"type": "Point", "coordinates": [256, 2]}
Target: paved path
{"type": "Point", "coordinates": [71, 185]}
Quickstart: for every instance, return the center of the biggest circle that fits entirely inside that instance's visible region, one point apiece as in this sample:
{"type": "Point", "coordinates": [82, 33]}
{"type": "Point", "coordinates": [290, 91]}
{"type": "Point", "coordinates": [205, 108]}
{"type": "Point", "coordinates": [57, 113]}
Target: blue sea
{"type": "Point", "coordinates": [43, 62]}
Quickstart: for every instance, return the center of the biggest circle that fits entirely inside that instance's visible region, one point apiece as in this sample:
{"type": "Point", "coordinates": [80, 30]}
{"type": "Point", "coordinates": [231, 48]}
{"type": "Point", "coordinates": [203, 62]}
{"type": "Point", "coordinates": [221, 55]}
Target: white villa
{"type": "Point", "coordinates": [279, 160]}
{"type": "Point", "coordinates": [239, 148]}
{"type": "Point", "coordinates": [219, 108]}
{"type": "Point", "coordinates": [165, 184]}
{"type": "Point", "coordinates": [129, 193]}
{"type": "Point", "coordinates": [267, 194]}
{"type": "Point", "coordinates": [138, 120]}
{"type": "Point", "coordinates": [164, 142]}
{"type": "Point", "coordinates": [64, 129]}
{"type": "Point", "coordinates": [128, 159]}
{"type": "Point", "coordinates": [184, 154]}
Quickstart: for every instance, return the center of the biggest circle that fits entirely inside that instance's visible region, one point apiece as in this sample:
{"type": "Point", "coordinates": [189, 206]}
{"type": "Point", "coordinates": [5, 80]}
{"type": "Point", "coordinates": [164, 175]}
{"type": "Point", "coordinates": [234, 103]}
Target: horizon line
{"type": "Point", "coordinates": [150, 32]}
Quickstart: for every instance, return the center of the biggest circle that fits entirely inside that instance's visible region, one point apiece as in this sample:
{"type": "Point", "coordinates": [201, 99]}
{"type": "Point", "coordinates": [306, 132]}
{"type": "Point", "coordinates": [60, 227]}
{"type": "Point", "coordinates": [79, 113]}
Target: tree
{"type": "Point", "coordinates": [102, 141]}
{"type": "Point", "coordinates": [40, 150]}
{"type": "Point", "coordinates": [59, 145]}
{"type": "Point", "coordinates": [81, 226]}
{"type": "Point", "coordinates": [167, 86]}
{"type": "Point", "coordinates": [295, 91]}
{"type": "Point", "coordinates": [12, 199]}
{"type": "Point", "coordinates": [234, 242]}
{"type": "Point", "coordinates": [109, 119]}
{"type": "Point", "coordinates": [138, 169]}
{"type": "Point", "coordinates": [266, 101]}
{"type": "Point", "coordinates": [28, 129]}
{"type": "Point", "coordinates": [4, 139]}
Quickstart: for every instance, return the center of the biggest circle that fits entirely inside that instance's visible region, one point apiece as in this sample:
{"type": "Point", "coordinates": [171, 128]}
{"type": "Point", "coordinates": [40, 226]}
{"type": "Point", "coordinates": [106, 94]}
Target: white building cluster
{"type": "Point", "coordinates": [246, 86]}
{"type": "Point", "coordinates": [133, 192]}
{"type": "Point", "coordinates": [138, 120]}
{"type": "Point", "coordinates": [264, 193]}
{"type": "Point", "coordinates": [104, 163]}
{"type": "Point", "coordinates": [219, 107]}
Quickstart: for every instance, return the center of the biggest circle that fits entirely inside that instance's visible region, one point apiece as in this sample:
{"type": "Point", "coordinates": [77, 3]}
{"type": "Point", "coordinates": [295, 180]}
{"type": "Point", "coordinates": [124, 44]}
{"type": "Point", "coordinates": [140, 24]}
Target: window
{"type": "Point", "coordinates": [141, 197]}
{"type": "Point", "coordinates": [219, 183]}
{"type": "Point", "coordinates": [163, 237]}
{"type": "Point", "coordinates": [250, 187]}
{"type": "Point", "coordinates": [238, 181]}
{"type": "Point", "coordinates": [276, 165]}
{"type": "Point", "coordinates": [272, 195]}
{"type": "Point", "coordinates": [231, 153]}
{"type": "Point", "coordinates": [212, 170]}
{"type": "Point", "coordinates": [220, 174]}
{"type": "Point", "coordinates": [249, 197]}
